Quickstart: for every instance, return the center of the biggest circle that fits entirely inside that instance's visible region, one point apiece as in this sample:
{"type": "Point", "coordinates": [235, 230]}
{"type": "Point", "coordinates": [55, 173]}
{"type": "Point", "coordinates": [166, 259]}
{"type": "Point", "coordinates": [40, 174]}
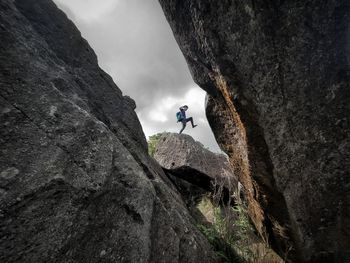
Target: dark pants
{"type": "Point", "coordinates": [184, 121]}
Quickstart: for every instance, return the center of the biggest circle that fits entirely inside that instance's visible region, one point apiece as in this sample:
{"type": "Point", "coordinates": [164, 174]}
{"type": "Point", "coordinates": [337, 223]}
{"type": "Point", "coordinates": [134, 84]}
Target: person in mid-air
{"type": "Point", "coordinates": [181, 117]}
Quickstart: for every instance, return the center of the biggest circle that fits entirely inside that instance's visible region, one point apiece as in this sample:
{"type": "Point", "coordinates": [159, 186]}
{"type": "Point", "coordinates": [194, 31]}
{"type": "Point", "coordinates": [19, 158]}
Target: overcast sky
{"type": "Point", "coordinates": [135, 45]}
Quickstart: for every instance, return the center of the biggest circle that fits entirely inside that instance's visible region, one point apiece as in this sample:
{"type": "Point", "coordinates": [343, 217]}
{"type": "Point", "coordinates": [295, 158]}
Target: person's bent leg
{"type": "Point", "coordinates": [191, 120]}
{"type": "Point", "coordinates": [183, 126]}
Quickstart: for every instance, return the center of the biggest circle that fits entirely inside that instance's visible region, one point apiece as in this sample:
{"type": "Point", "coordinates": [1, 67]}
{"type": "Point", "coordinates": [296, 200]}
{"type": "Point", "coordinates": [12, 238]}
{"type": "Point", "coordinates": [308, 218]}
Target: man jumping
{"type": "Point", "coordinates": [181, 117]}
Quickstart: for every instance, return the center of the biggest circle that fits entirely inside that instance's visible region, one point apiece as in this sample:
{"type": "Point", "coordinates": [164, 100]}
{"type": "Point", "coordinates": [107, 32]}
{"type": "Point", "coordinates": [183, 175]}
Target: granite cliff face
{"type": "Point", "coordinates": [277, 77]}
{"type": "Point", "coordinates": [76, 182]}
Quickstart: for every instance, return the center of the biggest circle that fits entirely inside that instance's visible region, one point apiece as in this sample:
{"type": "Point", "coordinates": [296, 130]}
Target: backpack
{"type": "Point", "coordinates": [178, 116]}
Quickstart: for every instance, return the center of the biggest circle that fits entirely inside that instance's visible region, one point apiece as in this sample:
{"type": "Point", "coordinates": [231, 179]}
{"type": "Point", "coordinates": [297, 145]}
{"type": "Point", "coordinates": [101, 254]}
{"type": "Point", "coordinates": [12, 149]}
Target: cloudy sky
{"type": "Point", "coordinates": [135, 45]}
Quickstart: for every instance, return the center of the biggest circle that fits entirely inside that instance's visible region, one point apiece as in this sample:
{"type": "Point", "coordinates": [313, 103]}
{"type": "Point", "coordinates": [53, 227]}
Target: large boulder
{"type": "Point", "coordinates": [76, 182]}
{"type": "Point", "coordinates": [178, 152]}
{"type": "Point", "coordinates": [277, 77]}
{"type": "Point", "coordinates": [195, 170]}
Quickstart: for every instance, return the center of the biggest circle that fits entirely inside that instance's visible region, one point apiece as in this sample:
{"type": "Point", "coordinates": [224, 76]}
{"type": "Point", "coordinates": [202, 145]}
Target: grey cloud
{"type": "Point", "coordinates": [136, 41]}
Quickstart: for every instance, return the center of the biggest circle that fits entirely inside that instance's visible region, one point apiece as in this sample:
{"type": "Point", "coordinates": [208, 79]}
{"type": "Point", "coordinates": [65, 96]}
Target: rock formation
{"type": "Point", "coordinates": [76, 182]}
{"type": "Point", "coordinates": [209, 188]}
{"type": "Point", "coordinates": [277, 77]}
{"type": "Point", "coordinates": [177, 152]}
{"type": "Point", "coordinates": [185, 159]}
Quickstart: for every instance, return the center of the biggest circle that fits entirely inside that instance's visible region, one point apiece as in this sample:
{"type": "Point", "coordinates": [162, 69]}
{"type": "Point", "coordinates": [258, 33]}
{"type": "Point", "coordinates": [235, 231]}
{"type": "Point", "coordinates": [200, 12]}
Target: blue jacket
{"type": "Point", "coordinates": [183, 114]}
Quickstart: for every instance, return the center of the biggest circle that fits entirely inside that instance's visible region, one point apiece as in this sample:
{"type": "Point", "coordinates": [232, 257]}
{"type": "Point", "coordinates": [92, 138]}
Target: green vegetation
{"type": "Point", "coordinates": [229, 230]}
{"type": "Point", "coordinates": [152, 143]}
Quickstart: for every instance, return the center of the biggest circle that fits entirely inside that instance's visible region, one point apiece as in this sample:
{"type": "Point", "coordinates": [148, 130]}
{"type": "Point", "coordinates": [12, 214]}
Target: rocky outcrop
{"type": "Point", "coordinates": [195, 170]}
{"type": "Point", "coordinates": [76, 182]}
{"type": "Point", "coordinates": [277, 75]}
{"type": "Point", "coordinates": [178, 152]}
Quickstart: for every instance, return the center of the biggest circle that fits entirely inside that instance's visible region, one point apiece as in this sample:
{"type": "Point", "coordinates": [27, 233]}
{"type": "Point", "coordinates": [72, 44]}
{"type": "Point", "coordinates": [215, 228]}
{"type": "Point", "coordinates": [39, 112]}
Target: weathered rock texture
{"type": "Point", "coordinates": [76, 182]}
{"type": "Point", "coordinates": [277, 75]}
{"type": "Point", "coordinates": [195, 170]}
{"type": "Point", "coordinates": [177, 152]}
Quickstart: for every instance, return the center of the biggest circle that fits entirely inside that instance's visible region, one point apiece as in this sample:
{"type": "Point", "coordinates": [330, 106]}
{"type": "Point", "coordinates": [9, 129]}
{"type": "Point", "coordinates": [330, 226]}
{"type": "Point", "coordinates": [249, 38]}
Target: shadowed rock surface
{"type": "Point", "coordinates": [277, 75]}
{"type": "Point", "coordinates": [76, 182]}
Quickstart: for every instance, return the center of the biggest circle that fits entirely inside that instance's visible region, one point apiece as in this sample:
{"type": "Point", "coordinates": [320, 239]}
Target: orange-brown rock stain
{"type": "Point", "coordinates": [237, 150]}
